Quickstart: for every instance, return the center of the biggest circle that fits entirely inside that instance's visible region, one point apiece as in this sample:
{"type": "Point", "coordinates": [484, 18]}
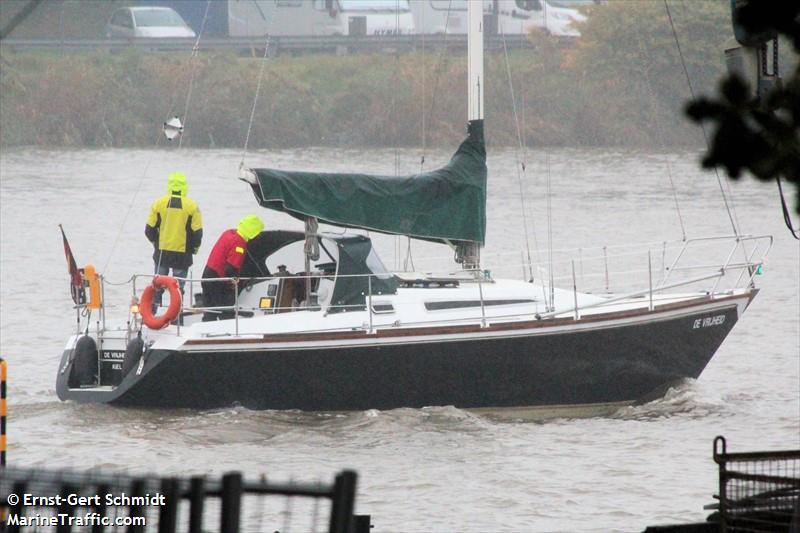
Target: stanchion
{"type": "Point", "coordinates": [3, 411]}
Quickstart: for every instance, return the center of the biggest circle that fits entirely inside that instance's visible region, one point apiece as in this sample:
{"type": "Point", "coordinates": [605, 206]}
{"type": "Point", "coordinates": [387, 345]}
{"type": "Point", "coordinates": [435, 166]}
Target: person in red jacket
{"type": "Point", "coordinates": [225, 261]}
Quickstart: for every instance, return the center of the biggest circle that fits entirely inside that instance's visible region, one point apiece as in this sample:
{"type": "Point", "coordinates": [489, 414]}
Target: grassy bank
{"type": "Point", "coordinates": [622, 84]}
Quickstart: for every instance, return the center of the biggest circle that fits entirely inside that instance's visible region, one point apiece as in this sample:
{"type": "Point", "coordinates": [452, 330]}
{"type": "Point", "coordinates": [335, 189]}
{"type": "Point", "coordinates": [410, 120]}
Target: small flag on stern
{"type": "Point", "coordinates": [75, 278]}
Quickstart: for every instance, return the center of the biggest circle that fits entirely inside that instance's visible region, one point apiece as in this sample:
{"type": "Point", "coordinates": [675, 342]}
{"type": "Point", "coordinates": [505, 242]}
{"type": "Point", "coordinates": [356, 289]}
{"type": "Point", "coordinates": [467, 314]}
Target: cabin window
{"type": "Point", "coordinates": [463, 304]}
{"type": "Point", "coordinates": [382, 308]}
{"type": "Point", "coordinates": [375, 266]}
{"type": "Point", "coordinates": [292, 257]}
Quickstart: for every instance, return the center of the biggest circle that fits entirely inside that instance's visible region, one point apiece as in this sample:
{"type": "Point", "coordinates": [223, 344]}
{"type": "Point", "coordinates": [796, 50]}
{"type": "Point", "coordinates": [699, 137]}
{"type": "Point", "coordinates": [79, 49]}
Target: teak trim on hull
{"type": "Point", "coordinates": [470, 328]}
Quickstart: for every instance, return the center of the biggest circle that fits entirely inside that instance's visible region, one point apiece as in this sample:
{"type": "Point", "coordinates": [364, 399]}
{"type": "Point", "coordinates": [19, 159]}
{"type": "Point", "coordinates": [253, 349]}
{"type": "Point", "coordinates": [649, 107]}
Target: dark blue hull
{"type": "Point", "coordinates": [604, 363]}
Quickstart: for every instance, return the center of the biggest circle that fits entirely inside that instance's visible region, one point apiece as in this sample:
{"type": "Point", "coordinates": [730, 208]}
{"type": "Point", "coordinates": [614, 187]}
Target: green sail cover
{"type": "Point", "coordinates": [448, 204]}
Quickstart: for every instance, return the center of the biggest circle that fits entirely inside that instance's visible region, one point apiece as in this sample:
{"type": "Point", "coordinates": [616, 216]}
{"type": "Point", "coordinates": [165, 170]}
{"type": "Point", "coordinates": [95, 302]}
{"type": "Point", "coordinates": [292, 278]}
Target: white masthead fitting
{"type": "Point", "coordinates": [173, 128]}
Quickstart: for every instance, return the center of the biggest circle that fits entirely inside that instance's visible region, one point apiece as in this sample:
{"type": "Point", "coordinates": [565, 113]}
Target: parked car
{"type": "Point", "coordinates": [144, 22]}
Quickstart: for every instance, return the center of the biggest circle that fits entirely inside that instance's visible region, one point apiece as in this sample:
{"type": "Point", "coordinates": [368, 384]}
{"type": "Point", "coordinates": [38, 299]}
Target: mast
{"type": "Point", "coordinates": [469, 253]}
{"type": "Point", "coordinates": [475, 60]}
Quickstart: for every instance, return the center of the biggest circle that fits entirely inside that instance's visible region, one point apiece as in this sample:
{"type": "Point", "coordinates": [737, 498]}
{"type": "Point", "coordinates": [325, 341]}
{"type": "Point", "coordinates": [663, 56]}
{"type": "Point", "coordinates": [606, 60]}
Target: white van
{"type": "Point", "coordinates": [513, 16]}
{"type": "Point", "coordinates": [147, 22]}
{"type": "Point", "coordinates": [253, 18]}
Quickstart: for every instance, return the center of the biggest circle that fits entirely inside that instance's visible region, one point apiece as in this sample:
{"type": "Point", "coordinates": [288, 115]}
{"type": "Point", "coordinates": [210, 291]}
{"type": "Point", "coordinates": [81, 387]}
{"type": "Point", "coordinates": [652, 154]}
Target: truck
{"type": "Point", "coordinates": [509, 17]}
{"type": "Point", "coordinates": [252, 18]}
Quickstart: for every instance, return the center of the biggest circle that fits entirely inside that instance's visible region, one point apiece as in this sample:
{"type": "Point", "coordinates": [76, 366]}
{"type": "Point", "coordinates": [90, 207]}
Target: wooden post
{"type": "Point", "coordinates": [18, 509]}
{"type": "Point", "coordinates": [168, 513]}
{"type": "Point", "coordinates": [343, 502]}
{"type": "Point", "coordinates": [137, 489]}
{"type": "Point", "coordinates": [65, 509]}
{"type": "Point", "coordinates": [196, 501]}
{"type": "Point", "coordinates": [3, 411]}
{"type": "Point", "coordinates": [231, 502]}
{"type": "Point", "coordinates": [720, 453]}
{"type": "Point", "coordinates": [100, 508]}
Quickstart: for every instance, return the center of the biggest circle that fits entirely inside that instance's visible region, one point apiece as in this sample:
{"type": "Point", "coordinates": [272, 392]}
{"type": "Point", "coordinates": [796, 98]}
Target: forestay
{"type": "Point", "coordinates": [447, 204]}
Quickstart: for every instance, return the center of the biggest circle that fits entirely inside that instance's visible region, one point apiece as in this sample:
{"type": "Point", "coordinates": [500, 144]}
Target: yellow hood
{"type": "Point", "coordinates": [177, 182]}
{"type": "Point", "coordinates": [249, 227]}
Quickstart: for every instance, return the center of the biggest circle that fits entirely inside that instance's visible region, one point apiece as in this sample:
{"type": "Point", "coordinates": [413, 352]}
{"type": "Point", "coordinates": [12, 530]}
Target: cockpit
{"type": "Point", "coordinates": [283, 273]}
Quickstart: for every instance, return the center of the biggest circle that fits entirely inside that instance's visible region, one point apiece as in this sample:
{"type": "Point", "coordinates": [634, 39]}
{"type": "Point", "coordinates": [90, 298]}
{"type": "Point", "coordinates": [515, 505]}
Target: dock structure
{"type": "Point", "coordinates": [759, 492]}
{"type": "Point", "coordinates": [61, 501]}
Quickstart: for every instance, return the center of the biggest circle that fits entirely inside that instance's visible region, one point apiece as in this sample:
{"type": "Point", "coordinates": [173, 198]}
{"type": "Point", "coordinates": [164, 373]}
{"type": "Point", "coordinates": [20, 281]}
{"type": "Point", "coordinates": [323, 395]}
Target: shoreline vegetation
{"type": "Point", "coordinates": [620, 85]}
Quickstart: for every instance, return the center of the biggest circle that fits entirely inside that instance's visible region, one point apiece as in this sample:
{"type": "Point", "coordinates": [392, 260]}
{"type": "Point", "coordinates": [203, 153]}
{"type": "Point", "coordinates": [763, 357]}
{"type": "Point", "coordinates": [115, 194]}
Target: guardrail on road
{"type": "Point", "coordinates": [277, 45]}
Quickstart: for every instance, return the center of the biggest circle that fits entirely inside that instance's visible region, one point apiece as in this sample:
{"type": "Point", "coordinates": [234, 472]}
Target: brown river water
{"type": "Point", "coordinates": [433, 469]}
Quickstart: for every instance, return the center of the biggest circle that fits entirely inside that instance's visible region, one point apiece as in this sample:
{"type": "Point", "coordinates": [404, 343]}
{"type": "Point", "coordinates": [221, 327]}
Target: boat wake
{"type": "Point", "coordinates": [686, 399]}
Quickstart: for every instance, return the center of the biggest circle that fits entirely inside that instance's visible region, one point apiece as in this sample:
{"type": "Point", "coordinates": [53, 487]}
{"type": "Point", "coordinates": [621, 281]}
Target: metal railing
{"type": "Point", "coordinates": [278, 44]}
{"type": "Point", "coordinates": [64, 501]}
{"type": "Point", "coordinates": [758, 491]}
{"type": "Point", "coordinates": [718, 272]}
{"type": "Point", "coordinates": [654, 284]}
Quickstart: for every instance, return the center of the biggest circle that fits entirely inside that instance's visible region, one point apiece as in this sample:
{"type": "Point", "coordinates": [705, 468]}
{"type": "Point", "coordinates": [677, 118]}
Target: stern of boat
{"type": "Point", "coordinates": [101, 368]}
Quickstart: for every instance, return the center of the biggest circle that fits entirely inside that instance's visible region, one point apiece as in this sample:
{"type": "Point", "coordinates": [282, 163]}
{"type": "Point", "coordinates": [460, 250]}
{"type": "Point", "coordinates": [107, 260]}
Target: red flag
{"type": "Point", "coordinates": [75, 278]}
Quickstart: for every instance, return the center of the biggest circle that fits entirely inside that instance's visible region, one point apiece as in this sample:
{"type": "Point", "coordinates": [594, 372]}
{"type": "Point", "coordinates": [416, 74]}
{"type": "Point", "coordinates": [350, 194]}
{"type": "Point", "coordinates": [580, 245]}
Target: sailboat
{"type": "Point", "coordinates": [342, 332]}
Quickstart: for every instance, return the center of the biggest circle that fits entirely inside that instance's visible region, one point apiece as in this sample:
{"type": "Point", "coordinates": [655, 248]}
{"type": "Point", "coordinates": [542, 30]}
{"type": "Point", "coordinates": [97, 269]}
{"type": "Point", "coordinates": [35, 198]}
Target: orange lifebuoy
{"type": "Point", "coordinates": [146, 304]}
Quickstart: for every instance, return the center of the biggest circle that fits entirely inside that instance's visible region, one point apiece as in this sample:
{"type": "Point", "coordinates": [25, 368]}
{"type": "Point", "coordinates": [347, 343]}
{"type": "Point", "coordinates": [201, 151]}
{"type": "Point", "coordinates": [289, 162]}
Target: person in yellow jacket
{"type": "Point", "coordinates": [175, 227]}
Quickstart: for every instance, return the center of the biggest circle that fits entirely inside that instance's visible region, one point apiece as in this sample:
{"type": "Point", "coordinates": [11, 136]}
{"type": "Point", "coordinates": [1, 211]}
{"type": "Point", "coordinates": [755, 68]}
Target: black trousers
{"type": "Point", "coordinates": [216, 294]}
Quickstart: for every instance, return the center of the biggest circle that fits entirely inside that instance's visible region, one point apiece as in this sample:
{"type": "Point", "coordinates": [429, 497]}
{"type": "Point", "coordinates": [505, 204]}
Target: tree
{"type": "Point", "coordinates": [761, 136]}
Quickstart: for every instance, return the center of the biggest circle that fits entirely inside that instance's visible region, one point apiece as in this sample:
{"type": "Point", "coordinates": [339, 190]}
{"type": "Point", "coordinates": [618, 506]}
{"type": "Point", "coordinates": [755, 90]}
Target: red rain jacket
{"type": "Point", "coordinates": [227, 256]}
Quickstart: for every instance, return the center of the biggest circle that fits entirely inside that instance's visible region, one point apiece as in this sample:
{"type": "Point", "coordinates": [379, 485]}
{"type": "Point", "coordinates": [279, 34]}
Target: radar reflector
{"type": "Point", "coordinates": [173, 128]}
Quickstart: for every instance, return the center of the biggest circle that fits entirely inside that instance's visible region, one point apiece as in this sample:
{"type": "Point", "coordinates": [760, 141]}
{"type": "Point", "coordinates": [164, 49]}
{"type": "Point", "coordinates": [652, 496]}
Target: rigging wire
{"type": "Point", "coordinates": [659, 130]}
{"type": "Point", "coordinates": [550, 232]}
{"type": "Point", "coordinates": [422, 157]}
{"type": "Point", "coordinates": [729, 207]}
{"type": "Point", "coordinates": [170, 109]}
{"type": "Point", "coordinates": [255, 100]}
{"type": "Point", "coordinates": [438, 71]}
{"type": "Point", "coordinates": [439, 62]}
{"type": "Point", "coordinates": [195, 53]}
{"type": "Point", "coordinates": [519, 163]}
